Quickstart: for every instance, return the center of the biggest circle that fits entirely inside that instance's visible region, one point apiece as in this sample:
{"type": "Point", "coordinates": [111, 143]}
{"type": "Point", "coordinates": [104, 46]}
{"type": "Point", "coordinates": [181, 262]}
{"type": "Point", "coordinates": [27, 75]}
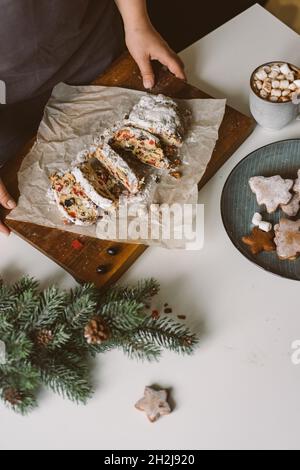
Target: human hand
{"type": "Point", "coordinates": [146, 44]}
{"type": "Point", "coordinates": [7, 202]}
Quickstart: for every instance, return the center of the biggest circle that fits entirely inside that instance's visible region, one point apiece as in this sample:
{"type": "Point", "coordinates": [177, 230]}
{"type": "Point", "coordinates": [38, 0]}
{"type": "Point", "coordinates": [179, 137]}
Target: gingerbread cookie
{"type": "Point", "coordinates": [292, 208]}
{"type": "Point", "coordinates": [154, 404]}
{"type": "Point", "coordinates": [287, 239]}
{"type": "Point", "coordinates": [271, 192]}
{"type": "Point", "coordinates": [260, 241]}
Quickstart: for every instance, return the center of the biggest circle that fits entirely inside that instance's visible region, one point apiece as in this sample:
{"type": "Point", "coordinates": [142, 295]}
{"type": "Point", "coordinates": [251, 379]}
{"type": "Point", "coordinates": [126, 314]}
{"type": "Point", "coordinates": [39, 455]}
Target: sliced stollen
{"type": "Point", "coordinates": [159, 115]}
{"type": "Point", "coordinates": [72, 201]}
{"type": "Point", "coordinates": [122, 168]}
{"type": "Point", "coordinates": [271, 192]}
{"type": "Point", "coordinates": [97, 183]}
{"type": "Point", "coordinates": [142, 144]}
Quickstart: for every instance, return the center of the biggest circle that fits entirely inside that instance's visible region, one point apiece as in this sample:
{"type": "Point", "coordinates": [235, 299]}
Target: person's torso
{"type": "Point", "coordinates": [43, 42]}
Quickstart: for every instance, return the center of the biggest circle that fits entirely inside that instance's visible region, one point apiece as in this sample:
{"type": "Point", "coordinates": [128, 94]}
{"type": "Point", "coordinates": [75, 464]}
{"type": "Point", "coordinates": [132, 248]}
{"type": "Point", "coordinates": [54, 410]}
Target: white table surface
{"type": "Point", "coordinates": [240, 390]}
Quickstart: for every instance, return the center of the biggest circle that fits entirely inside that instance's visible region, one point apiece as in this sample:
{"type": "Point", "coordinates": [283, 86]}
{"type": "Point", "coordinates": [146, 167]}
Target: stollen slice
{"type": "Point", "coordinates": [145, 146]}
{"type": "Point", "coordinates": [98, 183]}
{"type": "Point", "coordinates": [71, 199]}
{"type": "Point", "coordinates": [123, 169]}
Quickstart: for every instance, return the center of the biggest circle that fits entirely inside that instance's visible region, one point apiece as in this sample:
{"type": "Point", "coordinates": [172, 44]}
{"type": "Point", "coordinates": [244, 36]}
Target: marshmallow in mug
{"type": "Point", "coordinates": [277, 82]}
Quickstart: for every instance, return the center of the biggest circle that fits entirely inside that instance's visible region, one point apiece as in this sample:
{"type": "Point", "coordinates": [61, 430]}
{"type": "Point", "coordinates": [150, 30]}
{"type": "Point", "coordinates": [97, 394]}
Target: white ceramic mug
{"type": "Point", "coordinates": [270, 115]}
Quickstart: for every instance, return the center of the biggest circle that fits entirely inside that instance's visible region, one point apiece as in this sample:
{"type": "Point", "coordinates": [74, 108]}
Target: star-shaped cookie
{"type": "Point", "coordinates": [297, 184]}
{"type": "Point", "coordinates": [154, 404]}
{"type": "Point", "coordinates": [271, 192]}
{"type": "Point", "coordinates": [287, 239]}
{"type": "Point", "coordinates": [293, 207]}
{"type": "Point", "coordinates": [260, 241]}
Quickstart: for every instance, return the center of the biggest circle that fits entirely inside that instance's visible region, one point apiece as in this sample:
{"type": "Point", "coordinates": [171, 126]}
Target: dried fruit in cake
{"type": "Point", "coordinates": [260, 241]}
{"type": "Point", "coordinates": [142, 144]}
{"type": "Point", "coordinates": [72, 200]}
{"type": "Point", "coordinates": [271, 192]}
{"type": "Point", "coordinates": [287, 239]}
{"type": "Point", "coordinates": [159, 115]}
{"type": "Point", "coordinates": [122, 168]}
{"type": "Point", "coordinates": [97, 183]}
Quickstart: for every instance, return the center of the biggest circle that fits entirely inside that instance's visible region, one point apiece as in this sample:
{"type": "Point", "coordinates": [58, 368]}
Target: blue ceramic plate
{"type": "Point", "coordinates": [238, 203]}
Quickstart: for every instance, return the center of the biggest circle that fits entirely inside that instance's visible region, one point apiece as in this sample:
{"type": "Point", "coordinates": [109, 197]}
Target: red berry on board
{"type": "Point", "coordinates": [77, 245]}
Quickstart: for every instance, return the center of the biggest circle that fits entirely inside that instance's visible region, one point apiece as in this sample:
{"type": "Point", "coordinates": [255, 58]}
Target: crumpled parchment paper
{"type": "Point", "coordinates": [72, 119]}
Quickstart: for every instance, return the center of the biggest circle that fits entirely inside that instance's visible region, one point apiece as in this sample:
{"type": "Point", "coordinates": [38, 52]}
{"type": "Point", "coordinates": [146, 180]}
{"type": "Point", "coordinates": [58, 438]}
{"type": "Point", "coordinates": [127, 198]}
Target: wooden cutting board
{"type": "Point", "coordinates": [82, 264]}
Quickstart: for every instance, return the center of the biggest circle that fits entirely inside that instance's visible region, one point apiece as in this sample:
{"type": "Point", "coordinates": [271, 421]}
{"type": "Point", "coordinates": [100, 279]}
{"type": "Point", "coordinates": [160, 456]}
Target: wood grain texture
{"type": "Point", "coordinates": [82, 264]}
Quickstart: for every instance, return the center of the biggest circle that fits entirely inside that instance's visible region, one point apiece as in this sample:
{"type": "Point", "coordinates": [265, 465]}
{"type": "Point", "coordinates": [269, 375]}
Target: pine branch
{"type": "Point", "coordinates": [18, 386]}
{"type": "Point", "coordinates": [18, 346]}
{"type": "Point", "coordinates": [5, 324]}
{"type": "Point", "coordinates": [81, 305]}
{"type": "Point", "coordinates": [25, 284]}
{"type": "Point", "coordinates": [167, 334]}
{"type": "Point", "coordinates": [7, 299]}
{"type": "Point", "coordinates": [66, 382]}
{"type": "Point", "coordinates": [51, 336]}
{"type": "Point", "coordinates": [106, 346]}
{"type": "Point", "coordinates": [24, 406]}
{"type": "Point", "coordinates": [61, 337]}
{"type": "Point", "coordinates": [25, 293]}
{"type": "Point", "coordinates": [142, 293]}
{"type": "Point", "coordinates": [140, 349]}
{"type": "Point", "coordinates": [51, 306]}
{"type": "Point", "coordinates": [123, 314]}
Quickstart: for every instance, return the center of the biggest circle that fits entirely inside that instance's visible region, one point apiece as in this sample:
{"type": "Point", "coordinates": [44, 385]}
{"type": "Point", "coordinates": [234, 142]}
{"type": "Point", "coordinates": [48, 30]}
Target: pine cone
{"type": "Point", "coordinates": [13, 396]}
{"type": "Point", "coordinates": [44, 337]}
{"type": "Point", "coordinates": [154, 291]}
{"type": "Point", "coordinates": [96, 331]}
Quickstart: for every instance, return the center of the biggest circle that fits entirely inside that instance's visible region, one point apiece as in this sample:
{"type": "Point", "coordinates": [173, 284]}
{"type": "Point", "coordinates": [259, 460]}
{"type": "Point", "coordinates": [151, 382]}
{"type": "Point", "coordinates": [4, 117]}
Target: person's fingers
{"type": "Point", "coordinates": [174, 64]}
{"type": "Point", "coordinates": [5, 199]}
{"type": "Point", "coordinates": [146, 69]}
{"type": "Point", "coordinates": [4, 230]}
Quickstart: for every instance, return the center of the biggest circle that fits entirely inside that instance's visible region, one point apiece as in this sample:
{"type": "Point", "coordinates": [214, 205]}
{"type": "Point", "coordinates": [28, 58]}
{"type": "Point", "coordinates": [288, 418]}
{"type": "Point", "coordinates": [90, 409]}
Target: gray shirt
{"type": "Point", "coordinates": [44, 42]}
